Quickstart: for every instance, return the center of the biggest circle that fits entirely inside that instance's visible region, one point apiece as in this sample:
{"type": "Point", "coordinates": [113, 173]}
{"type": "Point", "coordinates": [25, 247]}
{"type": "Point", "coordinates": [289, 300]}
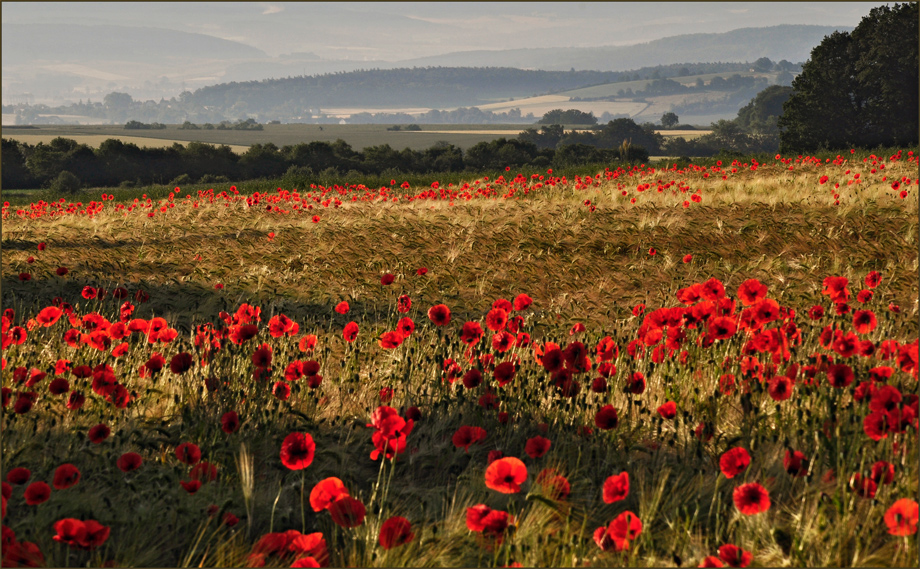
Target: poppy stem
{"type": "Point", "coordinates": [303, 515]}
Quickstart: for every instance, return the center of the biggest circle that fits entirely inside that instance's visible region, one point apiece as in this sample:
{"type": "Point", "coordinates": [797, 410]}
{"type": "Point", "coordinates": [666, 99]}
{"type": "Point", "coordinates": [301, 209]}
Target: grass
{"type": "Point", "coordinates": [580, 266]}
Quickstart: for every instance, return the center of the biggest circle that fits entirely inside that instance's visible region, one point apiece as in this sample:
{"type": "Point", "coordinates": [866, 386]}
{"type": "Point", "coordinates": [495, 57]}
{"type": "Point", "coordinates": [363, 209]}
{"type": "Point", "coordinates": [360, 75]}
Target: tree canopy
{"type": "Point", "coordinates": [859, 89]}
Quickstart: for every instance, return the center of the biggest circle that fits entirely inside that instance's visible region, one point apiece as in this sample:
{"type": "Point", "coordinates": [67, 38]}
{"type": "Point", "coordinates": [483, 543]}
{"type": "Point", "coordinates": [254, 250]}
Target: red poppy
{"type": "Point", "coordinates": [472, 333]}
{"type": "Point", "coordinates": [711, 561]}
{"type": "Point", "coordinates": [504, 373]}
{"type": "Point", "coordinates": [304, 562]}
{"type": "Point", "coordinates": [625, 528]}
{"type": "Point", "coordinates": [751, 291]}
{"type": "Point", "coordinates": [636, 383]}
{"type": "Point", "coordinates": [836, 289]}
{"type": "Point", "coordinates": [839, 375]}
{"type": "Point", "coordinates": [129, 461]}
{"type": "Point", "coordinates": [537, 446]}
{"type": "Point", "coordinates": [61, 271]}
{"type": "Point", "coordinates": [387, 421]}
{"type": "Point", "coordinates": [733, 462]}
{"type": "Point", "coordinates": [37, 493]}
{"type": "Point", "coordinates": [70, 531]}
{"type": "Point", "coordinates": [405, 326]}
{"type": "Point", "coordinates": [882, 472]}
{"type": "Point", "coordinates": [189, 453]}
{"type": "Point", "coordinates": [864, 321]}
{"type": "Point", "coordinates": [191, 486]}
{"type": "Point", "coordinates": [394, 532]}
{"type": "Point", "coordinates": [181, 363]}
{"type": "Point", "coordinates": [350, 332]}
{"type": "Point", "coordinates": [751, 498]}
{"type": "Point", "coordinates": [307, 343]}
{"type": "Point", "coordinates": [603, 539]}
{"type": "Point", "coordinates": [901, 517]}
{"type": "Point", "coordinates": [668, 410]}
{"type": "Point", "coordinates": [734, 556]}
{"type": "Point", "coordinates": [721, 328]}
{"type": "Point", "coordinates": [203, 471]}
{"type": "Point", "coordinates": [506, 475]}
{"type": "Point", "coordinates": [326, 492]}
{"type": "Point", "coordinates": [98, 433]}
{"type": "Point", "coordinates": [795, 463]}
{"type": "Point", "coordinates": [262, 356]}
{"type": "Point", "coordinates": [875, 425]}
{"type": "Point", "coordinates": [873, 279]}
{"type": "Point", "coordinates": [472, 378]}
{"type": "Point", "coordinates": [439, 314]}
{"type": "Point", "coordinates": [297, 451]}
{"type": "Point", "coordinates": [688, 257]}
{"type": "Point", "coordinates": [616, 488]}
{"type": "Point", "coordinates": [780, 388]}
{"type": "Point", "coordinates": [522, 302]}
{"type": "Point", "coordinates": [422, 271]}
{"type": "Point", "coordinates": [18, 475]}
{"type": "Point", "coordinates": [48, 316]}
{"type": "Point", "coordinates": [66, 476]}
{"type": "Point", "coordinates": [75, 400]}
{"type": "Point", "coordinates": [347, 512]}
{"type": "Point", "coordinates": [230, 422]}
{"type": "Point", "coordinates": [386, 279]}
{"type": "Point", "coordinates": [496, 319]}
{"type": "Point", "coordinates": [390, 340]}
{"type": "Point", "coordinates": [864, 487]}
{"type": "Point", "coordinates": [606, 418]}
{"type": "Point", "coordinates": [466, 436]}
{"type": "Point", "coordinates": [342, 307]}
{"type": "Point", "coordinates": [495, 523]}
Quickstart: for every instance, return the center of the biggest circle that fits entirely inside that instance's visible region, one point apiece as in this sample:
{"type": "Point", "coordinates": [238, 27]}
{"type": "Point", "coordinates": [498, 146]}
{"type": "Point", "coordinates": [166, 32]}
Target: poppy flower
{"type": "Point", "coordinates": [230, 422]}
{"type": "Point", "coordinates": [326, 492]}
{"type": "Point", "coordinates": [873, 279]}
{"type": "Point", "coordinates": [751, 498]}
{"type": "Point", "coordinates": [795, 463]}
{"type": "Point", "coordinates": [636, 383]}
{"type": "Point", "coordinates": [472, 379]}
{"type": "Point", "coordinates": [616, 488]}
{"type": "Point", "coordinates": [522, 302]}
{"type": "Point", "coordinates": [734, 462]}
{"type": "Point", "coordinates": [495, 523]}
{"type": "Point", "coordinates": [61, 271]}
{"type": "Point", "coordinates": [350, 332]}
{"type": "Point", "coordinates": [836, 289]}
{"type": "Point", "coordinates": [37, 493]}
{"type": "Point", "coordinates": [603, 539]}
{"type": "Point", "coordinates": [496, 319]}
{"type": "Point", "coordinates": [439, 314]}
{"type": "Point", "coordinates": [18, 475]}
{"type": "Point", "coordinates": [387, 279]}
{"type": "Point", "coordinates": [625, 528]}
{"type": "Point", "coordinates": [780, 388]}
{"type": "Point", "coordinates": [472, 333]}
{"type": "Point", "coordinates": [422, 271]}
{"type": "Point", "coordinates": [307, 343]}
{"type": "Point", "coordinates": [189, 453]}
{"type": "Point", "coordinates": [839, 375]}
{"type": "Point", "coordinates": [391, 339]}
{"type": "Point", "coordinates": [66, 476]}
{"type": "Point", "coordinates": [98, 433]}
{"type": "Point", "coordinates": [688, 257]}
{"type": "Point", "coordinates": [864, 321]}
{"type": "Point", "coordinates": [816, 312]}
{"type": "Point", "coordinates": [466, 436]}
{"type": "Point", "coordinates": [711, 561]}
{"type": "Point", "coordinates": [297, 451]}
{"type": "Point", "coordinates": [75, 400]}
{"type": "Point", "coordinates": [864, 487]}
{"type": "Point", "coordinates": [262, 356]}
{"type": "Point", "coordinates": [191, 486]}
{"type": "Point", "coordinates": [70, 531]}
{"type": "Point", "coordinates": [48, 316]}
{"type": "Point", "coordinates": [875, 425]}
{"type": "Point", "coordinates": [882, 472]}
{"type": "Point", "coordinates": [129, 461]}
{"type": "Point", "coordinates": [606, 418]}
{"type": "Point", "coordinates": [505, 475]}
{"type": "Point", "coordinates": [901, 517]}
{"type": "Point", "coordinates": [734, 556]}
{"type": "Point", "coordinates": [668, 410]}
{"type": "Point", "coordinates": [347, 512]}
{"type": "Point", "coordinates": [394, 532]}
{"type": "Point", "coordinates": [203, 471]}
{"type": "Point", "coordinates": [181, 363]}
{"type": "Point", "coordinates": [537, 446]}
{"type": "Point", "coordinates": [504, 373]}
{"type": "Point", "coordinates": [342, 307]}
{"type": "Point", "coordinates": [405, 326]}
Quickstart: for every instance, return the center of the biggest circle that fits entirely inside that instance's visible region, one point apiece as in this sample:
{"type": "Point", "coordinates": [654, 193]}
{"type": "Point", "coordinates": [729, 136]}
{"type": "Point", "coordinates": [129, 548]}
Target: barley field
{"type": "Point", "coordinates": [699, 366]}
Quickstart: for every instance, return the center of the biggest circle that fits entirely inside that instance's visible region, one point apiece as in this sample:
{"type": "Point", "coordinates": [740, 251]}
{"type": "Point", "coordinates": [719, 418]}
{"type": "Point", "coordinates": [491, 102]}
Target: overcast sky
{"type": "Point", "coordinates": [397, 30]}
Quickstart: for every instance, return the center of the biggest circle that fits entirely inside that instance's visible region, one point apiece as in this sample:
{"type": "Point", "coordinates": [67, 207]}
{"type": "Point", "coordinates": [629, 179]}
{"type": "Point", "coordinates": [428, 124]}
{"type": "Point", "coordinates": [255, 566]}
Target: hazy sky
{"type": "Point", "coordinates": [397, 30]}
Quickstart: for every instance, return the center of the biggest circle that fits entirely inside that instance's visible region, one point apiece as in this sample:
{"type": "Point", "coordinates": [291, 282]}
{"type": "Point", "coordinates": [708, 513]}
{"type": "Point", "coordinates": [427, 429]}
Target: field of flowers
{"type": "Point", "coordinates": [699, 366]}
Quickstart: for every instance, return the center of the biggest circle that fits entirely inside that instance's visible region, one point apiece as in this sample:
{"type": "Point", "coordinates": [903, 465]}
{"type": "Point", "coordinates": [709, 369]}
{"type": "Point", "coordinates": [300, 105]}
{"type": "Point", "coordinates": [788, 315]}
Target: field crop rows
{"type": "Point", "coordinates": [708, 365]}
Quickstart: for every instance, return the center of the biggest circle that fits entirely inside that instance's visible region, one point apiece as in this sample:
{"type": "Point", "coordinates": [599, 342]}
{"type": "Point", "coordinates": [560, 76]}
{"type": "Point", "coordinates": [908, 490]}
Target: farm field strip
{"type": "Point", "coordinates": [644, 367]}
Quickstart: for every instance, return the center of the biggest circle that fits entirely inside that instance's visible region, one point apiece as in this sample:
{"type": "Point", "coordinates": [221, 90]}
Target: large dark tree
{"type": "Point", "coordinates": [859, 89]}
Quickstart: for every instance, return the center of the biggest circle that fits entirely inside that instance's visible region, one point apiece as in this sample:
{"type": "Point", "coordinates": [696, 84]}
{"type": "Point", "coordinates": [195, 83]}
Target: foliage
{"type": "Point", "coordinates": [859, 89]}
{"type": "Point", "coordinates": [570, 116]}
{"type": "Point", "coordinates": [669, 120]}
{"type": "Point", "coordinates": [65, 183]}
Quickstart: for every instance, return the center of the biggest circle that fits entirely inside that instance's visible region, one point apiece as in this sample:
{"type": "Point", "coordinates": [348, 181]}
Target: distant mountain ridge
{"type": "Point", "coordinates": [791, 42]}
